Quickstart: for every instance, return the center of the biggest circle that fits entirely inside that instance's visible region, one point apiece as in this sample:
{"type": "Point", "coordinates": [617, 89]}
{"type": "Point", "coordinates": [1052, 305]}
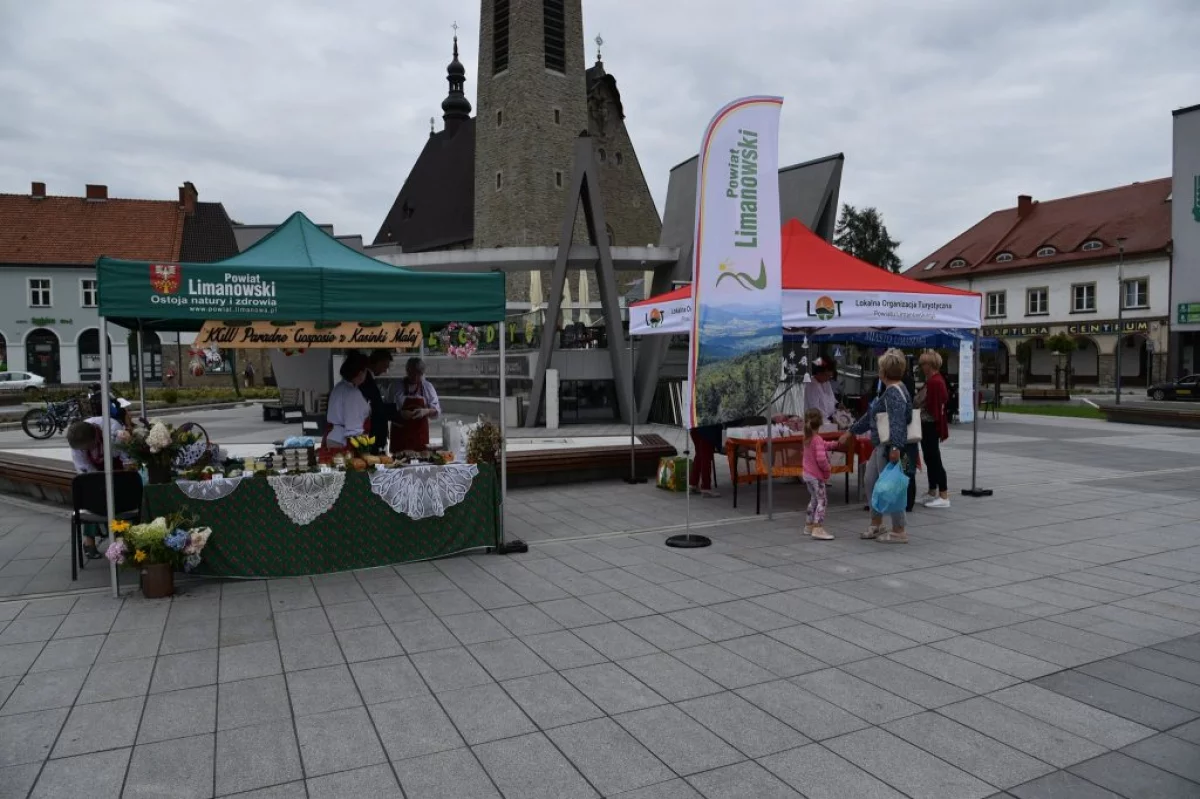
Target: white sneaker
{"type": "Point", "coordinates": [938, 503]}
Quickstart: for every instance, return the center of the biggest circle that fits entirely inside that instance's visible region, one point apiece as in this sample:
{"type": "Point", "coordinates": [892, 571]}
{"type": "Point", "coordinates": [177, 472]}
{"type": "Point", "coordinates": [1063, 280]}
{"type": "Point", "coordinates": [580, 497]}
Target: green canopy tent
{"type": "Point", "coordinates": [298, 272]}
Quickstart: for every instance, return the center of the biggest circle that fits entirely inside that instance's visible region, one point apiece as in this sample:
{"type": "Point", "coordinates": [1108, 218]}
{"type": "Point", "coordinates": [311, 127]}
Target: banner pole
{"type": "Point", "coordinates": [110, 502]}
{"type": "Point", "coordinates": [974, 490]}
{"type": "Point", "coordinates": [506, 546]}
{"type": "Point", "coordinates": [632, 479]}
{"type": "Point", "coordinates": [141, 367]}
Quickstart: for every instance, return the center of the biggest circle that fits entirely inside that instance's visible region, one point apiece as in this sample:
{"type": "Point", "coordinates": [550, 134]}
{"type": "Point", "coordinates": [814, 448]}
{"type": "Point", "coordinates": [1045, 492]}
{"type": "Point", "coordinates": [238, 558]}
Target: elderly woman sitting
{"type": "Point", "coordinates": [895, 401]}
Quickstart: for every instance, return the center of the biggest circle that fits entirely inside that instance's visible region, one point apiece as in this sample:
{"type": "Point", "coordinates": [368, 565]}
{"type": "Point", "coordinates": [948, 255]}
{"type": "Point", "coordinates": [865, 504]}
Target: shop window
{"type": "Point", "coordinates": [1037, 302]}
{"type": "Point", "coordinates": [1083, 298]}
{"type": "Point", "coordinates": [1135, 293]}
{"type": "Point", "coordinates": [40, 292]}
{"type": "Point", "coordinates": [88, 294]}
{"type": "Point", "coordinates": [997, 304]}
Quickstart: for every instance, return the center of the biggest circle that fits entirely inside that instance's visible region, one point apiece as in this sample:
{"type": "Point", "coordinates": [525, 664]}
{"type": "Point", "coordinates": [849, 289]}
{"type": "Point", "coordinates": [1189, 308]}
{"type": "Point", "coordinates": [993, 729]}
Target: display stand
{"type": "Point", "coordinates": [515, 546]}
{"type": "Point", "coordinates": [688, 540]}
{"type": "Point", "coordinates": [632, 479]}
{"type": "Point", "coordinates": [975, 490]}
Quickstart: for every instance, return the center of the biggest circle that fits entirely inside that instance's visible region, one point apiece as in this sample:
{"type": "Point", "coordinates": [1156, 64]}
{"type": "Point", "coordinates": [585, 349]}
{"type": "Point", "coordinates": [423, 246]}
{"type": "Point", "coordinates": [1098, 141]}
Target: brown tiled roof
{"type": "Point", "coordinates": [1140, 212]}
{"type": "Point", "coordinates": [207, 235]}
{"type": "Point", "coordinates": [73, 230]}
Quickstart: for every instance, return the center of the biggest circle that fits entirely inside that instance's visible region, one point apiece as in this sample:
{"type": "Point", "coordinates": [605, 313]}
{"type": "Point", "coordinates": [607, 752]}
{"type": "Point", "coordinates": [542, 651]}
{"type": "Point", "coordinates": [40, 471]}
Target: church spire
{"type": "Point", "coordinates": [456, 108]}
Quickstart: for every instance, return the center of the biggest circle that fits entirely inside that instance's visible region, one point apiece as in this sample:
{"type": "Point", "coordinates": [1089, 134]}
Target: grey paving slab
{"type": "Point", "coordinates": [95, 775]}
{"type": "Point", "coordinates": [1083, 720]}
{"type": "Point", "coordinates": [776, 657]}
{"type": "Point", "coordinates": [753, 615]}
{"type": "Point", "coordinates": [999, 658]}
{"type": "Point", "coordinates": [68, 653]}
{"type": "Point", "coordinates": [906, 767]}
{"type": "Point", "coordinates": [974, 753]}
{"type": "Point", "coordinates": [1135, 778]}
{"type": "Point", "coordinates": [484, 714]}
{"type": "Point", "coordinates": [818, 773]}
{"type": "Point", "coordinates": [252, 702]}
{"type": "Point", "coordinates": [612, 688]}
{"type": "Point", "coordinates": [912, 628]}
{"type": "Point", "coordinates": [709, 624]}
{"type": "Point", "coordinates": [684, 745]}
{"type": "Point", "coordinates": [177, 714]}
{"type": "Point", "coordinates": [664, 633]}
{"type": "Point", "coordinates": [531, 767]}
{"type": "Point", "coordinates": [953, 669]}
{"type": "Point", "coordinates": [614, 641]}
{"type": "Point", "coordinates": [247, 661]}
{"type": "Point", "coordinates": [1025, 733]}
{"type": "Point", "coordinates": [44, 691]}
{"type": "Point", "coordinates": [803, 711]}
{"type": "Point", "coordinates": [1062, 785]}
{"type": "Point", "coordinates": [185, 670]}
{"type": "Point", "coordinates": [742, 780]}
{"type": "Point", "coordinates": [338, 740]}
{"type": "Point", "coordinates": [189, 637]}
{"type": "Point", "coordinates": [349, 615]}
{"type": "Point", "coordinates": [1119, 701]}
{"type": "Point", "coordinates": [610, 758]}
{"type": "Point", "coordinates": [910, 684]}
{"type": "Point", "coordinates": [15, 659]}
{"type": "Point", "coordinates": [414, 727]}
{"type": "Point", "coordinates": [310, 652]}
{"type": "Point", "coordinates": [387, 680]}
{"type": "Point", "coordinates": [1168, 753]}
{"type": "Point", "coordinates": [375, 782]}
{"type": "Point", "coordinates": [1188, 732]}
{"type": "Point", "coordinates": [256, 757]}
{"type": "Point", "coordinates": [368, 643]}
{"type": "Point", "coordinates": [1144, 681]}
{"type": "Point", "coordinates": [723, 666]}
{"type": "Point", "coordinates": [1164, 663]}
{"type": "Point", "coordinates": [571, 612]}
{"type": "Point", "coordinates": [455, 774]}
{"type": "Point", "coordinates": [426, 635]}
{"type": "Point", "coordinates": [244, 630]}
{"type": "Point", "coordinates": [741, 724]}
{"type": "Point", "coordinates": [450, 669]}
{"type": "Point", "coordinates": [177, 769]}
{"type": "Point", "coordinates": [670, 678]}
{"type": "Point", "coordinates": [857, 696]}
{"type": "Point", "coordinates": [508, 658]}
{"type": "Point", "coordinates": [563, 650]}
{"type": "Point", "coordinates": [100, 726]}
{"type": "Point", "coordinates": [16, 781]}
{"type": "Point", "coordinates": [551, 701]}
{"type": "Point", "coordinates": [1040, 648]}
{"type": "Point", "coordinates": [322, 690]}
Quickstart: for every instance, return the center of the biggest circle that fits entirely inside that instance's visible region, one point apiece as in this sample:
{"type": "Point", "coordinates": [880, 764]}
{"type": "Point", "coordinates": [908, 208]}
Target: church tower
{"type": "Point", "coordinates": [531, 105]}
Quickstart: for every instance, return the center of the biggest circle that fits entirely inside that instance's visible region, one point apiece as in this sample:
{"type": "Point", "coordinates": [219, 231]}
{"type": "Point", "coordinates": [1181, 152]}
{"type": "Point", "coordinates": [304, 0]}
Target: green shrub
{"type": "Point", "coordinates": [170, 396]}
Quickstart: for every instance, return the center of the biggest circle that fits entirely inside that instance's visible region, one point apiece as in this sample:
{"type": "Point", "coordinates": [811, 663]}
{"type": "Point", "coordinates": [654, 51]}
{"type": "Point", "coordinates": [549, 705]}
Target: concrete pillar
{"type": "Point", "coordinates": [1108, 371]}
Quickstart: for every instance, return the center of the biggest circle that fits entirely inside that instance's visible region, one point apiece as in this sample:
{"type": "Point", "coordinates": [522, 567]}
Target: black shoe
{"type": "Point", "coordinates": [91, 552]}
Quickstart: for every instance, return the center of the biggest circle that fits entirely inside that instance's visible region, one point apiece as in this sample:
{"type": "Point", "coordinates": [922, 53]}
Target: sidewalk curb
{"type": "Point", "coordinates": [164, 411]}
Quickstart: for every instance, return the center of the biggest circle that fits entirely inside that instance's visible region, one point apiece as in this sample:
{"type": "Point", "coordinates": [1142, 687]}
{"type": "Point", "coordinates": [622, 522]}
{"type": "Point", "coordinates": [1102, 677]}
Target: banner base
{"type": "Point", "coordinates": [514, 546]}
{"type": "Point", "coordinates": [977, 492]}
{"type": "Point", "coordinates": [635, 481]}
{"type": "Point", "coordinates": [689, 541]}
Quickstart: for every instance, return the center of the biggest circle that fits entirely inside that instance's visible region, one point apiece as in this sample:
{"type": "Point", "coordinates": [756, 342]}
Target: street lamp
{"type": "Point", "coordinates": [1120, 308]}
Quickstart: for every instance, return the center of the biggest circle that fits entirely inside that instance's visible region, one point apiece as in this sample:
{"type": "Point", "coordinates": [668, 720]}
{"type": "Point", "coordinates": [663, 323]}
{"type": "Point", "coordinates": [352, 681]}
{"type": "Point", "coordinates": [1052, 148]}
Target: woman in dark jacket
{"type": "Point", "coordinates": [935, 428]}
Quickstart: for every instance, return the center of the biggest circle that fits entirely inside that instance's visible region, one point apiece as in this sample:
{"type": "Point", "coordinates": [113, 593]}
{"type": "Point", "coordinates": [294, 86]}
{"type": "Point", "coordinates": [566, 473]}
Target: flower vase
{"type": "Point", "coordinates": [158, 581]}
{"type": "Point", "coordinates": [158, 473]}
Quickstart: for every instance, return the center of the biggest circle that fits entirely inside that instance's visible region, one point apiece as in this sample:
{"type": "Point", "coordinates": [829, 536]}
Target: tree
{"type": "Point", "coordinates": [863, 235]}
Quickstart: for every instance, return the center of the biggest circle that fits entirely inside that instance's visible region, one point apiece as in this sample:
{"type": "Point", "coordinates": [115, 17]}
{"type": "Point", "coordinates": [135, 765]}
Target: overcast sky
{"type": "Point", "coordinates": [945, 109]}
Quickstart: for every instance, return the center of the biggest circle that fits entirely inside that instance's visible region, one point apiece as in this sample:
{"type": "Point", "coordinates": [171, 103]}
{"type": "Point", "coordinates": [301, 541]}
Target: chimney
{"type": "Point", "coordinates": [96, 194]}
{"type": "Point", "coordinates": [39, 191]}
{"type": "Point", "coordinates": [1024, 205]}
{"type": "Point", "coordinates": [187, 197]}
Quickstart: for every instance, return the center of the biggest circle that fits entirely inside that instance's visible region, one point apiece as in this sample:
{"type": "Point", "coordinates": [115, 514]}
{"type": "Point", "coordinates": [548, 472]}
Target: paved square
{"type": "Point", "coordinates": [1044, 642]}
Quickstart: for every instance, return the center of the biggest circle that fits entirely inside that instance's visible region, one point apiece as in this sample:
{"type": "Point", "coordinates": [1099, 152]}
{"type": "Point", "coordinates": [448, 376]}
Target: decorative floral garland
{"type": "Point", "coordinates": [459, 340]}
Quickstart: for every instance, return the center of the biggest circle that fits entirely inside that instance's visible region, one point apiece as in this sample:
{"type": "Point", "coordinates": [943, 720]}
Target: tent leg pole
{"type": "Point", "coordinates": [515, 545]}
{"type": "Point", "coordinates": [106, 437]}
{"type": "Point", "coordinates": [633, 478]}
{"type": "Point", "coordinates": [975, 490]}
{"type": "Point", "coordinates": [141, 367]}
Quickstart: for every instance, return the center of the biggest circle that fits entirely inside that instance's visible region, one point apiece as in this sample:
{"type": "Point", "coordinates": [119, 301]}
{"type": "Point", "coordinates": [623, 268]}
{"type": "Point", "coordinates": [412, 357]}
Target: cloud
{"type": "Point", "coordinates": [945, 110]}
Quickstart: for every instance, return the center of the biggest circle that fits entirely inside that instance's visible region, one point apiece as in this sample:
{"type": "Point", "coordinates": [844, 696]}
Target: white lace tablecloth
{"type": "Point", "coordinates": [305, 497]}
{"type": "Point", "coordinates": [425, 490]}
{"type": "Point", "coordinates": [209, 490]}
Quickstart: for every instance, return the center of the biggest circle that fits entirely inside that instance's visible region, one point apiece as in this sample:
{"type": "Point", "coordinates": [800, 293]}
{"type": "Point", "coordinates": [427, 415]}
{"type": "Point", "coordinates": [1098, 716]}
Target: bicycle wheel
{"type": "Point", "coordinates": [38, 423]}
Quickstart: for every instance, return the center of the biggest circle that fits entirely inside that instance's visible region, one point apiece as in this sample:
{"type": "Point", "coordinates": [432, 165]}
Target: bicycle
{"type": "Point", "coordinates": [42, 423]}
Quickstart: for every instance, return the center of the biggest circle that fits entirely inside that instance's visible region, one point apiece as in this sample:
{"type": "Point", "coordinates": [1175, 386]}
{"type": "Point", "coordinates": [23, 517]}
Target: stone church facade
{"type": "Point", "coordinates": [502, 177]}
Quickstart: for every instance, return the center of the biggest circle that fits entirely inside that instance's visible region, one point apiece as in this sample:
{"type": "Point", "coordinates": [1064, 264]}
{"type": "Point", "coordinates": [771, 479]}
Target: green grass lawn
{"type": "Point", "coordinates": [1074, 411]}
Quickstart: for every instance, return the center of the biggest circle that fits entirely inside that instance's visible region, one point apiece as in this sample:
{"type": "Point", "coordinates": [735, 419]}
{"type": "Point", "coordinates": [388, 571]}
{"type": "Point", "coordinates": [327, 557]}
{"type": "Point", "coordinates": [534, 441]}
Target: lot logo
{"type": "Point", "coordinates": [742, 278]}
{"type": "Point", "coordinates": [654, 318]}
{"type": "Point", "coordinates": [165, 278]}
{"type": "Point", "coordinates": [826, 308]}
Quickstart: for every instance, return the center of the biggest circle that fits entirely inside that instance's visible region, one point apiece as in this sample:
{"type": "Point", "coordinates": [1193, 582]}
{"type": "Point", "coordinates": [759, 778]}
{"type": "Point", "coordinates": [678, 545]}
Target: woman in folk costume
{"type": "Point", "coordinates": [417, 401]}
{"type": "Point", "coordinates": [86, 440]}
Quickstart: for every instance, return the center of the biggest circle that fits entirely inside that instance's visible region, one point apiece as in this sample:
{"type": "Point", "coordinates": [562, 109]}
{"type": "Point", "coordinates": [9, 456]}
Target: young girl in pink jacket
{"type": "Point", "coordinates": [816, 473]}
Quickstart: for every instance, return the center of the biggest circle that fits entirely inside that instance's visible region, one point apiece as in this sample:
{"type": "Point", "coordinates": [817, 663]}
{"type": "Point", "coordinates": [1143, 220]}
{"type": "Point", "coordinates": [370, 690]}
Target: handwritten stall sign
{"type": "Point", "coordinates": [303, 335]}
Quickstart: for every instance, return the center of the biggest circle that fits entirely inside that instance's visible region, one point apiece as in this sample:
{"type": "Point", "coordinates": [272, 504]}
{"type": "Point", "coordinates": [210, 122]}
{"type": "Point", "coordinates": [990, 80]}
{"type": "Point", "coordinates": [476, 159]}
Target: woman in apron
{"type": "Point", "coordinates": [417, 402]}
{"type": "Point", "coordinates": [349, 413]}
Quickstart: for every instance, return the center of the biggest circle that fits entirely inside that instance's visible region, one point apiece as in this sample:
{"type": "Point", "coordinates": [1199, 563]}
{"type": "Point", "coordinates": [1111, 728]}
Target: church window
{"type": "Point", "coordinates": [619, 159]}
{"type": "Point", "coordinates": [557, 117]}
{"type": "Point", "coordinates": [554, 35]}
{"type": "Point", "coordinates": [602, 155]}
{"type": "Point", "coordinates": [499, 118]}
{"type": "Point", "coordinates": [558, 178]}
{"type": "Point", "coordinates": [500, 37]}
{"type": "Point", "coordinates": [499, 181]}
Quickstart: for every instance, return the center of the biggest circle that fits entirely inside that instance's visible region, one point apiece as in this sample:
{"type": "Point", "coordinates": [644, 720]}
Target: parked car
{"type": "Point", "coordinates": [1181, 389]}
{"type": "Point", "coordinates": [21, 381]}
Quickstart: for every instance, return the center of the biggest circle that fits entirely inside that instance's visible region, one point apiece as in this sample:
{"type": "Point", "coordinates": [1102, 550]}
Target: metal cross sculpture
{"type": "Point", "coordinates": [599, 44]}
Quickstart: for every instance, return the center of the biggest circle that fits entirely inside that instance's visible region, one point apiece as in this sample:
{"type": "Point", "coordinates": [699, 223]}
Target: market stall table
{"type": "Point", "coordinates": [788, 456]}
{"type": "Point", "coordinates": [291, 525]}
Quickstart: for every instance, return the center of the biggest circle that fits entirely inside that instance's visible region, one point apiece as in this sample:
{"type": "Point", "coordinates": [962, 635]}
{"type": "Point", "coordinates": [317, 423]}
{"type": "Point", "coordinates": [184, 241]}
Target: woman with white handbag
{"type": "Point", "coordinates": [895, 433]}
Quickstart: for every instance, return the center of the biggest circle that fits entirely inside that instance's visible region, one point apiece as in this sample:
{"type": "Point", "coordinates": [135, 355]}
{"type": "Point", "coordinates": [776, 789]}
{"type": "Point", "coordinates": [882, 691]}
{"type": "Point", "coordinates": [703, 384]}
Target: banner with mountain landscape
{"type": "Point", "coordinates": [734, 357]}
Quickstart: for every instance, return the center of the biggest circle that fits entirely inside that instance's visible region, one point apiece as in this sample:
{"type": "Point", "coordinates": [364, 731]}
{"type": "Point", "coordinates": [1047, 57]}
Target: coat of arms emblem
{"type": "Point", "coordinates": [165, 278]}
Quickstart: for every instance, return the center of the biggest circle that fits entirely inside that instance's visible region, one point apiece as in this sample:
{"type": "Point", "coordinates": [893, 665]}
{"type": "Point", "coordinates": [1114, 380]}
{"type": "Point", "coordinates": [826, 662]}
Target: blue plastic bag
{"type": "Point", "coordinates": [891, 490]}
